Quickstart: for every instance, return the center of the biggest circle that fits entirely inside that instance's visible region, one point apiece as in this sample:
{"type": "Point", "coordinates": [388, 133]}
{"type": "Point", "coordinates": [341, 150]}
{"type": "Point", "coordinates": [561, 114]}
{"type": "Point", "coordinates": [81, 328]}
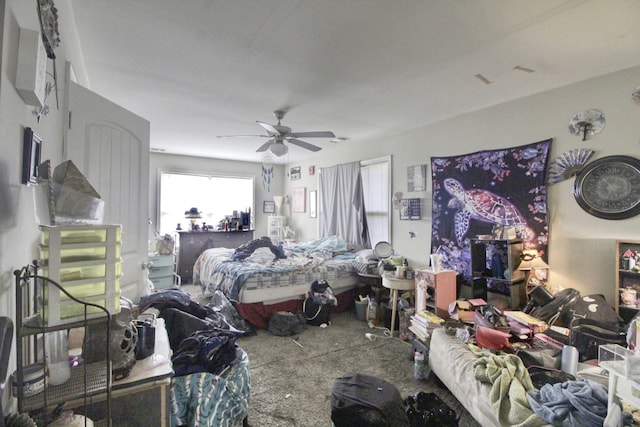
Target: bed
{"type": "Point", "coordinates": [260, 284]}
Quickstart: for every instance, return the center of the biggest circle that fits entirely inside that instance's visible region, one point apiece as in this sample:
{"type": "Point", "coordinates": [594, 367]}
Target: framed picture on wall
{"type": "Point", "coordinates": [298, 204]}
{"type": "Point", "coordinates": [417, 178]}
{"type": "Point", "coordinates": [295, 173]}
{"type": "Point", "coordinates": [268, 206]}
{"type": "Point", "coordinates": [32, 149]}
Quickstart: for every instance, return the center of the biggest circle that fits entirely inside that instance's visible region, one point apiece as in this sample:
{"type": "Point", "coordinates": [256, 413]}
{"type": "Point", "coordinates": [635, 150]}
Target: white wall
{"type": "Point", "coordinates": [18, 227]}
{"type": "Point", "coordinates": [581, 247]}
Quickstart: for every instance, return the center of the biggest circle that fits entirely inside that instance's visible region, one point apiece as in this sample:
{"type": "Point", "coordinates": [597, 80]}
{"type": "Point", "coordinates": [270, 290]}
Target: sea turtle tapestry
{"type": "Point", "coordinates": [476, 194]}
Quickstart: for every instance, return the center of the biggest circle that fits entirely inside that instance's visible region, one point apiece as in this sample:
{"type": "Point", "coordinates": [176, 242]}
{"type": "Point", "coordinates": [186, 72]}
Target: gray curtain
{"type": "Point", "coordinates": [341, 204]}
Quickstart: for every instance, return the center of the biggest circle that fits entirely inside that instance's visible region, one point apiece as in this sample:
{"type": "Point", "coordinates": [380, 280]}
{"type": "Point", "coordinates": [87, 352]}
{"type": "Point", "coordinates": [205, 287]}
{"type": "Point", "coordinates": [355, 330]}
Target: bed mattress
{"type": "Point", "coordinates": [270, 282]}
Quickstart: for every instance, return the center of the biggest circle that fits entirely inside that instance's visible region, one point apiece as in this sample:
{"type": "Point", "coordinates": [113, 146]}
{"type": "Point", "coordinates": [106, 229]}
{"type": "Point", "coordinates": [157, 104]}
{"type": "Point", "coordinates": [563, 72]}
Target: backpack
{"type": "Point", "coordinates": [284, 324]}
{"type": "Point", "coordinates": [316, 307]}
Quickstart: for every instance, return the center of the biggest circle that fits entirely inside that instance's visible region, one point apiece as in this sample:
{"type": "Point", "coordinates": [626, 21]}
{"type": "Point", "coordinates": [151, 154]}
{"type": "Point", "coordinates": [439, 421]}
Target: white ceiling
{"type": "Point", "coordinates": [360, 68]}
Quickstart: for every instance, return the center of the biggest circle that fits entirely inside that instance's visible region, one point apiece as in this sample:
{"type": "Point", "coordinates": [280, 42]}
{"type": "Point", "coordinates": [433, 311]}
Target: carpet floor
{"type": "Point", "coordinates": [291, 381]}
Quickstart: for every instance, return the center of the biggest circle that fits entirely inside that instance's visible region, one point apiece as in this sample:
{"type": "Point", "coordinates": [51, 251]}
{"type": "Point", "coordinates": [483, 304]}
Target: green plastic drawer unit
{"type": "Point", "coordinates": [161, 272]}
{"type": "Point", "coordinates": [108, 234]}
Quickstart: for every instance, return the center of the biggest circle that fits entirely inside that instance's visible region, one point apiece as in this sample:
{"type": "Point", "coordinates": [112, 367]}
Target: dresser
{"type": "Point", "coordinates": [275, 228]}
{"type": "Point", "coordinates": [435, 291]}
{"type": "Point", "coordinates": [162, 269]}
{"type": "Point", "coordinates": [193, 243]}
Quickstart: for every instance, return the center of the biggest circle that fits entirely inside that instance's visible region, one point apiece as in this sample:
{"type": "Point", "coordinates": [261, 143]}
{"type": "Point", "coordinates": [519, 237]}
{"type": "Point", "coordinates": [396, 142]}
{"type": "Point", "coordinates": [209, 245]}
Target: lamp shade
{"type": "Point", "coordinates": [530, 260]}
{"type": "Point", "coordinates": [538, 263]}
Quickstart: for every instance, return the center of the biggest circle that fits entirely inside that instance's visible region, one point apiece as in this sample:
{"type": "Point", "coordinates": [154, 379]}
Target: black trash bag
{"type": "Point", "coordinates": [285, 324]}
{"type": "Point", "coordinates": [427, 409]}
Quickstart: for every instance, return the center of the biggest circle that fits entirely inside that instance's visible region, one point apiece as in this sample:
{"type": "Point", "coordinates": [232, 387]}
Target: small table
{"type": "Point", "coordinates": [396, 284]}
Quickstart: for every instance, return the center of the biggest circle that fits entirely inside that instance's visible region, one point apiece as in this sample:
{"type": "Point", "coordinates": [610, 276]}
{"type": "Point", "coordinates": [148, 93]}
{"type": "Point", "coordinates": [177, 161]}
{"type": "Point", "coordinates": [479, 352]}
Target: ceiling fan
{"type": "Point", "coordinates": [278, 134]}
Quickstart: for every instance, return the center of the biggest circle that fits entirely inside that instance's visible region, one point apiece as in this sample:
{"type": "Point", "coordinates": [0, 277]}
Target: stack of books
{"type": "Point", "coordinates": [533, 324]}
{"type": "Point", "coordinates": [422, 321]}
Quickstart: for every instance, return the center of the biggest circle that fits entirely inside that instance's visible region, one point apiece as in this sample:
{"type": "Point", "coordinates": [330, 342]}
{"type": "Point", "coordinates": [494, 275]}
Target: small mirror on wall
{"type": "Point", "coordinates": [32, 150]}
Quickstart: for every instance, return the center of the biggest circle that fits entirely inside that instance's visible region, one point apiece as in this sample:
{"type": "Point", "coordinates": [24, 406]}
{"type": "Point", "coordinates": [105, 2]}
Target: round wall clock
{"type": "Point", "coordinates": [609, 187]}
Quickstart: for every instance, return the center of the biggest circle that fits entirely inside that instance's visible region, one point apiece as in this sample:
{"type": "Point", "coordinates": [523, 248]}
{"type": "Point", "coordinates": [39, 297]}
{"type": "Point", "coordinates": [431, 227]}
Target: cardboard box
{"type": "Point", "coordinates": [465, 310]}
{"type": "Point", "coordinates": [67, 198]}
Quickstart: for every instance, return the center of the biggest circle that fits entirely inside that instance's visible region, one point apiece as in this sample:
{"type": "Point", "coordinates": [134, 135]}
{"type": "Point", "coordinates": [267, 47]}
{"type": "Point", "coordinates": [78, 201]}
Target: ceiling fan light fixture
{"type": "Point", "coordinates": [338, 139]}
{"type": "Point", "coordinates": [278, 149]}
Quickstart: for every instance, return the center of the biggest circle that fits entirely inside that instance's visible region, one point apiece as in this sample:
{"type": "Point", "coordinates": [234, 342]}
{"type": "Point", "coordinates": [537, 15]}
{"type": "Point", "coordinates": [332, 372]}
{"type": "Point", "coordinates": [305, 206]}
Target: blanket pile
{"type": "Point", "coordinates": [510, 382]}
{"type": "Point", "coordinates": [573, 403]}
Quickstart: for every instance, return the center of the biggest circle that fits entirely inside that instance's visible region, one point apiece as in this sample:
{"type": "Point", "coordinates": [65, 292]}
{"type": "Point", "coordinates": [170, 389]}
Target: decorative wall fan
{"type": "Point", "coordinates": [568, 164]}
{"type": "Point", "coordinates": [279, 133]}
{"type": "Point", "coordinates": [585, 122]}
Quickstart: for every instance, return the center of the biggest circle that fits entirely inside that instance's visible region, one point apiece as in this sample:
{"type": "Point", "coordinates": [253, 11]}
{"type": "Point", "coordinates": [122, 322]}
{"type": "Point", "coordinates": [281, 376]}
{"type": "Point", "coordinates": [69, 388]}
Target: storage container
{"type": "Point", "coordinates": [621, 360]}
{"type": "Point", "coordinates": [85, 261]}
{"type": "Point", "coordinates": [84, 270]}
{"type": "Point", "coordinates": [58, 311]}
{"type": "Point", "coordinates": [78, 252]}
{"type": "Point", "coordinates": [64, 234]}
{"type": "Point", "coordinates": [32, 381]}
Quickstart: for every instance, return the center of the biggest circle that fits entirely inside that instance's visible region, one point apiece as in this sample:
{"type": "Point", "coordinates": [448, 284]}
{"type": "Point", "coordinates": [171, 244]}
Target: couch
{"type": "Point", "coordinates": [452, 362]}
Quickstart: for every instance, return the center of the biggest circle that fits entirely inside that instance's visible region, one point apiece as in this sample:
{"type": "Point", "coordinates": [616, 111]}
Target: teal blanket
{"type": "Point", "coordinates": [207, 400]}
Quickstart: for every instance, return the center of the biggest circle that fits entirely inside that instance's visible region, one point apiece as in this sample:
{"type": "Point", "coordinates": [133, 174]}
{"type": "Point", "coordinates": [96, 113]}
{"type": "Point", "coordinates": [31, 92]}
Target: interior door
{"type": "Point", "coordinates": [110, 145]}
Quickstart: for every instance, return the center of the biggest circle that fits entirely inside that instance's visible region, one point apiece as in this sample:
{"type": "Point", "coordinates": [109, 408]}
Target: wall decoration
{"type": "Point", "coordinates": [268, 206]}
{"type": "Point", "coordinates": [295, 173]}
{"type": "Point", "coordinates": [472, 193]}
{"type": "Point", "coordinates": [31, 77]}
{"type": "Point", "coordinates": [417, 178]}
{"type": "Point", "coordinates": [48, 17]}
{"type": "Point", "coordinates": [32, 150]}
{"type": "Point", "coordinates": [299, 201]}
{"type": "Point", "coordinates": [568, 164]}
{"type": "Point", "coordinates": [410, 209]}
{"type": "Point", "coordinates": [635, 96]}
{"type": "Point", "coordinates": [267, 170]}
{"type": "Point", "coordinates": [313, 204]}
{"type": "Point", "coordinates": [312, 170]}
{"type": "Point", "coordinates": [587, 122]}
{"type": "Point", "coordinates": [609, 187]}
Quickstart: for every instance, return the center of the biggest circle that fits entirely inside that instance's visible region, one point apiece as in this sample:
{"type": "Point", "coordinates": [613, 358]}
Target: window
{"type": "Point", "coordinates": [216, 197]}
{"type": "Point", "coordinates": [377, 198]}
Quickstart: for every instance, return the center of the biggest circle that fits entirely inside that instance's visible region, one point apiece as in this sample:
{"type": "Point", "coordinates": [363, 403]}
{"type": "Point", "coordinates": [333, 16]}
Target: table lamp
{"type": "Point", "coordinates": [532, 262]}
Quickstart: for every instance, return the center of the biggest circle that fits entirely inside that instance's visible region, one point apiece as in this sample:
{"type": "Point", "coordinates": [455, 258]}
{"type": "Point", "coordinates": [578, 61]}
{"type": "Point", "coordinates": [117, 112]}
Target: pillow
{"type": "Point", "coordinates": [366, 254]}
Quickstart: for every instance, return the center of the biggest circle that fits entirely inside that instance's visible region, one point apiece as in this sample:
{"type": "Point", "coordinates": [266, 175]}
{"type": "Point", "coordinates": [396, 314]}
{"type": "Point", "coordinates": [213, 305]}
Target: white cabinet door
{"type": "Point", "coordinates": [110, 145]}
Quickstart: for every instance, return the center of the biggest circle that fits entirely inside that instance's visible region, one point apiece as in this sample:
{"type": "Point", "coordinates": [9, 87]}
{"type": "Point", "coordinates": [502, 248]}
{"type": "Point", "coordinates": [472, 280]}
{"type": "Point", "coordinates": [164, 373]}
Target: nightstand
{"type": "Point", "coordinates": [395, 284]}
{"type": "Point", "coordinates": [162, 271]}
{"type": "Point", "coordinates": [435, 291]}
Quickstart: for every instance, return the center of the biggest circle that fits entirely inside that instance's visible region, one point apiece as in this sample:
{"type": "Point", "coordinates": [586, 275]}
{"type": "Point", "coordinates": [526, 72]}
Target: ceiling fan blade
{"type": "Point", "coordinates": [318, 134]}
{"type": "Point", "coordinates": [269, 128]}
{"type": "Point", "coordinates": [303, 144]}
{"type": "Point", "coordinates": [243, 136]}
{"type": "Point", "coordinates": [265, 146]}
